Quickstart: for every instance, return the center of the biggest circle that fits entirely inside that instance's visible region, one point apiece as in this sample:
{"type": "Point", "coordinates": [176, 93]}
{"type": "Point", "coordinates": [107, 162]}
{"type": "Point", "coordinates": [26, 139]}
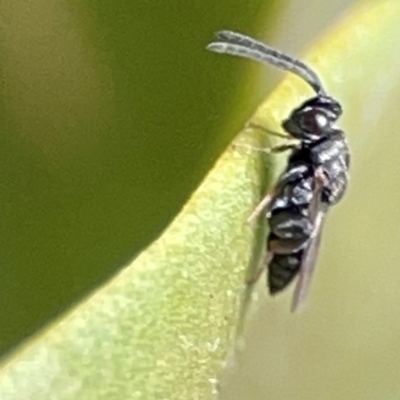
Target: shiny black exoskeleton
{"type": "Point", "coordinates": [322, 154]}
{"type": "Point", "coordinates": [315, 178]}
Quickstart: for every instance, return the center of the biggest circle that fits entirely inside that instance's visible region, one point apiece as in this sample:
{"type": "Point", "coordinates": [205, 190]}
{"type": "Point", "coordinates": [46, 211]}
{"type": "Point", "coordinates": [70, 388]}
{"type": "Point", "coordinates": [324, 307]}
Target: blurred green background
{"type": "Point", "coordinates": [112, 113]}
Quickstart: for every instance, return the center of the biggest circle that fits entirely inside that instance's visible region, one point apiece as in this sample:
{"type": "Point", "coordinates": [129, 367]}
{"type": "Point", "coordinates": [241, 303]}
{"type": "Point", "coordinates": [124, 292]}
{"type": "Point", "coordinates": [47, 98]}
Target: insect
{"type": "Point", "coordinates": [315, 178]}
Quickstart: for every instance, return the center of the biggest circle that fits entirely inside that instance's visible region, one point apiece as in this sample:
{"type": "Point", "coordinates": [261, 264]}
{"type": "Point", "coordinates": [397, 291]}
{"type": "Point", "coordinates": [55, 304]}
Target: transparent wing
{"type": "Point", "coordinates": [317, 211]}
{"type": "Point", "coordinates": [309, 260]}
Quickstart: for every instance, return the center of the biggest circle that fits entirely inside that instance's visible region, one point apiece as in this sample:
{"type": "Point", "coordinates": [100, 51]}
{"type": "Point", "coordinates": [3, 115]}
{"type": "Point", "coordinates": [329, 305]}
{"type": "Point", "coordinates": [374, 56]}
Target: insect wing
{"type": "Point", "coordinates": [317, 212]}
{"type": "Point", "coordinates": [308, 263]}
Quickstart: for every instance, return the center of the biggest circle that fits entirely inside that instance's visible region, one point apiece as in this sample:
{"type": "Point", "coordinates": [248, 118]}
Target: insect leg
{"type": "Point", "coordinates": [257, 273]}
{"type": "Point", "coordinates": [253, 125]}
{"type": "Point", "coordinates": [267, 150]}
{"type": "Point", "coordinates": [320, 181]}
{"type": "Point", "coordinates": [262, 205]}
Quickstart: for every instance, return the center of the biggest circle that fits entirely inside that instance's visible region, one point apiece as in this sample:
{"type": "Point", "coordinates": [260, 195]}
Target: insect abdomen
{"type": "Point", "coordinates": [290, 226]}
{"type": "Point", "coordinates": [282, 270]}
{"type": "Point", "coordinates": [289, 234]}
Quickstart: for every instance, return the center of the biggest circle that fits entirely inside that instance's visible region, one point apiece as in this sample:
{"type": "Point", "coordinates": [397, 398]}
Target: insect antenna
{"type": "Point", "coordinates": [240, 45]}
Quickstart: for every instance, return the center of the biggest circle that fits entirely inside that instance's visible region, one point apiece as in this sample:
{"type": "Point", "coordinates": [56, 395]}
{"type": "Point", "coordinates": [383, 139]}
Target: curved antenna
{"type": "Point", "coordinates": [240, 45]}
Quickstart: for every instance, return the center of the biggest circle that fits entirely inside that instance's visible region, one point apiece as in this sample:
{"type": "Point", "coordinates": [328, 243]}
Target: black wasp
{"type": "Point", "coordinates": [315, 177]}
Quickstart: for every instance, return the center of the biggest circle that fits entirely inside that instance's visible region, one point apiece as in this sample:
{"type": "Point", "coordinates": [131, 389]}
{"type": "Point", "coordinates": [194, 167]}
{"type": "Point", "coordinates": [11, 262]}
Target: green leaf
{"type": "Point", "coordinates": [164, 327]}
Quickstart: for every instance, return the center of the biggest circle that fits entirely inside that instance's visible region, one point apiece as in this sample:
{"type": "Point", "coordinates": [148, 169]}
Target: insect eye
{"type": "Point", "coordinates": [313, 121]}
